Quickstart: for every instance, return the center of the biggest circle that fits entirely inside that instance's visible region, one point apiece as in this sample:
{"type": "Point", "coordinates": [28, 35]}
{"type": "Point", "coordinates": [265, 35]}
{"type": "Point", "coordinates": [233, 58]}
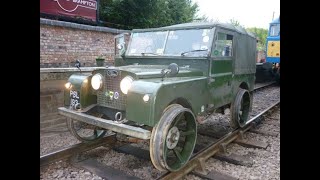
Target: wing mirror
{"type": "Point", "coordinates": [122, 49]}
{"type": "Point", "coordinates": [173, 69]}
{"type": "Point", "coordinates": [78, 64]}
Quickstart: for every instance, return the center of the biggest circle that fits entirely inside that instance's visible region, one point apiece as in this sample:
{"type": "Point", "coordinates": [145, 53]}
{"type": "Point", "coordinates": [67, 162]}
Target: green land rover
{"type": "Point", "coordinates": [166, 81]}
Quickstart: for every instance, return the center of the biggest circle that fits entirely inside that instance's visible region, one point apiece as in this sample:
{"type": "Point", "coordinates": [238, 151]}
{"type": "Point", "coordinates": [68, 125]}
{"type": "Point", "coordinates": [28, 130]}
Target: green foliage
{"type": "Point", "coordinates": [205, 18]}
{"type": "Point", "coordinates": [129, 14]}
{"type": "Point", "coordinates": [261, 34]}
{"type": "Point", "coordinates": [235, 23]}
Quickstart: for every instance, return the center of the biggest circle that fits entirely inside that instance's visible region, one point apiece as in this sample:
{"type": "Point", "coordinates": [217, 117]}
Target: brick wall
{"type": "Point", "coordinates": [50, 100]}
{"type": "Point", "coordinates": [261, 56]}
{"type": "Point", "coordinates": [52, 88]}
{"type": "Point", "coordinates": [61, 43]}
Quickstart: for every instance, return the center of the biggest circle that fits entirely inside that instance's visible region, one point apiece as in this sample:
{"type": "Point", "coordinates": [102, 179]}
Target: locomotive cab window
{"type": "Point", "coordinates": [223, 45]}
{"type": "Point", "coordinates": [275, 30]}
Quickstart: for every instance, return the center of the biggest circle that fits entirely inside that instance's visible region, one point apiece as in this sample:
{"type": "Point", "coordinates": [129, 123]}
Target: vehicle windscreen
{"type": "Point", "coordinates": [191, 42]}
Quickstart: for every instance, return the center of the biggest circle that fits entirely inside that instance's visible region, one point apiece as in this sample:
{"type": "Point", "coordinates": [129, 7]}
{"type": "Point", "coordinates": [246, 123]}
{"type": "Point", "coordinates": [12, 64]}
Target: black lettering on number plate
{"type": "Point", "coordinates": [74, 98]}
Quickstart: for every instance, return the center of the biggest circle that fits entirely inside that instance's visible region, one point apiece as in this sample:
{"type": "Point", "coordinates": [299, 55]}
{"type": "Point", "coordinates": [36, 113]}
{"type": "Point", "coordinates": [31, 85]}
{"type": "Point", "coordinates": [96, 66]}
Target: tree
{"type": "Point", "coordinates": [129, 14]}
{"type": "Point", "coordinates": [235, 23]}
{"type": "Point", "coordinates": [261, 34]}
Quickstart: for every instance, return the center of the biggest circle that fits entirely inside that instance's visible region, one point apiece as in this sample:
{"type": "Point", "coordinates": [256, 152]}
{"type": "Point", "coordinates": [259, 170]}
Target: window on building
{"type": "Point", "coordinates": [223, 45]}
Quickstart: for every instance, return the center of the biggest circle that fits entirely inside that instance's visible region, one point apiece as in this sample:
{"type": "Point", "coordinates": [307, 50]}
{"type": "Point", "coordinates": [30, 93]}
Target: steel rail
{"type": "Point", "coordinates": [196, 160]}
{"type": "Point", "coordinates": [264, 85]}
{"type": "Point", "coordinates": [74, 149]}
{"type": "Point", "coordinates": [199, 158]}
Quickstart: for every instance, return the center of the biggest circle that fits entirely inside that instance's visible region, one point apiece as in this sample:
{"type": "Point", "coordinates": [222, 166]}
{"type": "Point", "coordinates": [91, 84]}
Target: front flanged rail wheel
{"type": "Point", "coordinates": [85, 132]}
{"type": "Point", "coordinates": [173, 138]}
{"type": "Point", "coordinates": [240, 108]}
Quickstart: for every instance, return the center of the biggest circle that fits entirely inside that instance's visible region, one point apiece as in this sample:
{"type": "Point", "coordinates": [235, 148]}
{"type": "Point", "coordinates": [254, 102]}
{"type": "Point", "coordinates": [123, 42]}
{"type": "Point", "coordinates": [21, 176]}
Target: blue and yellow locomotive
{"type": "Point", "coordinates": [273, 42]}
{"type": "Point", "coordinates": [269, 69]}
{"type": "Point", "coordinates": [273, 47]}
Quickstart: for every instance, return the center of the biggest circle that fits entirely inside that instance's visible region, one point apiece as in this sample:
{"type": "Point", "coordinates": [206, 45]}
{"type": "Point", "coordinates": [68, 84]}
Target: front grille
{"type": "Point", "coordinates": [112, 83]}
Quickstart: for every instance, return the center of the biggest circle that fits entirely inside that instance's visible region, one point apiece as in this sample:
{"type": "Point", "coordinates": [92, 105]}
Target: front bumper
{"type": "Point", "coordinates": [106, 124]}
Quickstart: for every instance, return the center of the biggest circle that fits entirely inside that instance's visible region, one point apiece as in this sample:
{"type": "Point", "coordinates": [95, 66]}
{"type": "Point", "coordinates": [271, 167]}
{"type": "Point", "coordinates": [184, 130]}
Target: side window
{"type": "Point", "coordinates": [223, 45]}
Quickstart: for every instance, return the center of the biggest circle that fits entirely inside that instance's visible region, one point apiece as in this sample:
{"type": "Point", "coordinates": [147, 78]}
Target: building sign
{"type": "Point", "coordinates": [86, 9]}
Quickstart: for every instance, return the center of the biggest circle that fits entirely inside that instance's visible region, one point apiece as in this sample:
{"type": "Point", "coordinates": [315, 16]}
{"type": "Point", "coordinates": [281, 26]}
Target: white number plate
{"type": "Point", "coordinates": [74, 98]}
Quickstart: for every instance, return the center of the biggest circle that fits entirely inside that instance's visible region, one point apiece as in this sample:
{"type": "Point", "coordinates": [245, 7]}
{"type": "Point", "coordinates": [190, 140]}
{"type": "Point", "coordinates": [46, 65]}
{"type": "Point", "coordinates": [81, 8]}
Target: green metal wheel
{"type": "Point", "coordinates": [173, 138]}
{"type": "Point", "coordinates": [85, 132]}
{"type": "Point", "coordinates": [240, 108]}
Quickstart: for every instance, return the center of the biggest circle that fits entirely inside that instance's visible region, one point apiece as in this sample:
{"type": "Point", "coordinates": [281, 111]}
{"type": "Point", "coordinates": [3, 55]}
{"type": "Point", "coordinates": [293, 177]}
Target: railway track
{"type": "Point", "coordinates": [75, 149]}
{"type": "Point", "coordinates": [196, 162]}
{"type": "Point", "coordinates": [258, 86]}
{"type": "Point", "coordinates": [198, 159]}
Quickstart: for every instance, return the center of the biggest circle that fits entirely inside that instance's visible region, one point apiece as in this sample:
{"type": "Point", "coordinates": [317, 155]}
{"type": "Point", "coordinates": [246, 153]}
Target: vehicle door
{"type": "Point", "coordinates": [221, 64]}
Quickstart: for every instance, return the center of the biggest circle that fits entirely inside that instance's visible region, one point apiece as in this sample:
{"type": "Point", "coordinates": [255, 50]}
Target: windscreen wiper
{"type": "Point", "coordinates": [183, 53]}
{"type": "Point", "coordinates": [143, 54]}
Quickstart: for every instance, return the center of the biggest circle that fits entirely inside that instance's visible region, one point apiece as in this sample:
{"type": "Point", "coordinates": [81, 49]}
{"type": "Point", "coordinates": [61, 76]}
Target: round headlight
{"type": "Point", "coordinates": [96, 81]}
{"type": "Point", "coordinates": [68, 85]}
{"type": "Point", "coordinates": [125, 84]}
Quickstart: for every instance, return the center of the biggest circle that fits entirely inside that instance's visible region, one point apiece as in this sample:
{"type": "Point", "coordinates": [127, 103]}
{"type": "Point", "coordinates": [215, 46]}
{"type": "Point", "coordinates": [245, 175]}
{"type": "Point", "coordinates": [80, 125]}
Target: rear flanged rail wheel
{"type": "Point", "coordinates": [240, 108]}
{"type": "Point", "coordinates": [173, 138]}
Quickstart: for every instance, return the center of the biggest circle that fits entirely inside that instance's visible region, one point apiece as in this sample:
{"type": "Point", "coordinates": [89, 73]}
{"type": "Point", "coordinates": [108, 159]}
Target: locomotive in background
{"type": "Point", "coordinates": [268, 69]}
